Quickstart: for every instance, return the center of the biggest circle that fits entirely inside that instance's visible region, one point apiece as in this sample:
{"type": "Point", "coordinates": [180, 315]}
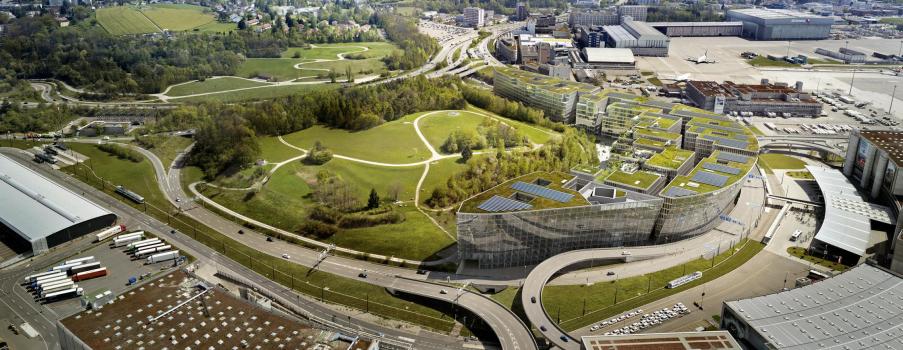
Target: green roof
{"type": "Point", "coordinates": [687, 182]}
{"type": "Point", "coordinates": [639, 179]}
{"type": "Point", "coordinates": [657, 134]}
{"type": "Point", "coordinates": [545, 82]}
{"type": "Point", "coordinates": [671, 158]}
{"type": "Point", "coordinates": [723, 128]}
{"type": "Point", "coordinates": [556, 179]}
{"type": "Point", "coordinates": [642, 141]}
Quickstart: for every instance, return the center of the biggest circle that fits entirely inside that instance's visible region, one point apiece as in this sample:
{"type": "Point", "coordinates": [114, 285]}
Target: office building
{"type": "Point", "coordinates": [556, 97]}
{"type": "Point", "coordinates": [474, 17]}
{"type": "Point", "coordinates": [857, 309]}
{"type": "Point", "coordinates": [590, 37]}
{"type": "Point", "coordinates": [592, 18]}
{"type": "Point", "coordinates": [781, 24]}
{"type": "Point", "coordinates": [637, 36]}
{"type": "Point", "coordinates": [544, 23]}
{"type": "Point", "coordinates": [635, 12]}
{"type": "Point", "coordinates": [506, 50]}
{"type": "Point", "coordinates": [644, 2]}
{"type": "Point", "coordinates": [760, 99]}
{"type": "Point", "coordinates": [872, 162]}
{"type": "Point", "coordinates": [37, 214]}
{"type": "Point", "coordinates": [531, 218]}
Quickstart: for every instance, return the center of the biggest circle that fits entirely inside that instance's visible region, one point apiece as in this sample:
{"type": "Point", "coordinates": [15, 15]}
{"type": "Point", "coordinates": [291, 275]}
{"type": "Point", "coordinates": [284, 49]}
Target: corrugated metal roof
{"type": "Point", "coordinates": [35, 207]}
{"type": "Point", "coordinates": [858, 309]}
{"type": "Point", "coordinates": [597, 54]}
{"type": "Point", "coordinates": [847, 216]}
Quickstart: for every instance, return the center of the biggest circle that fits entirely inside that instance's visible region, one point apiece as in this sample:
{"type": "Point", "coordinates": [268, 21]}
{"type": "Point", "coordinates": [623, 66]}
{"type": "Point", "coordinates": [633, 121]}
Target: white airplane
{"type": "Point", "coordinates": [702, 59]}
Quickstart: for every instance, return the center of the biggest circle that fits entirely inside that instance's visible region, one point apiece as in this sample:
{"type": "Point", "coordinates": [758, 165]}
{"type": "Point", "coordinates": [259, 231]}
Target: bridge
{"type": "Point", "coordinates": [791, 143]}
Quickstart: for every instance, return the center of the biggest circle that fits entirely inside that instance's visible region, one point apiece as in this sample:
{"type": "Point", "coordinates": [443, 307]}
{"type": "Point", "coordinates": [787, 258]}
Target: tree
{"type": "Point", "coordinates": [289, 21]}
{"type": "Point", "coordinates": [466, 153]}
{"type": "Point", "coordinates": [332, 75]}
{"type": "Point", "coordinates": [242, 25]}
{"type": "Point", "coordinates": [373, 201]}
{"type": "Point", "coordinates": [349, 75]}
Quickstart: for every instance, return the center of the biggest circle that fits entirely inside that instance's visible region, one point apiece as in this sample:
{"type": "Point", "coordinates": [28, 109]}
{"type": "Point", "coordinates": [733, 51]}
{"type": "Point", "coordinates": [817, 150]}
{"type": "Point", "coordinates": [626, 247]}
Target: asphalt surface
{"type": "Point", "coordinates": [44, 321]}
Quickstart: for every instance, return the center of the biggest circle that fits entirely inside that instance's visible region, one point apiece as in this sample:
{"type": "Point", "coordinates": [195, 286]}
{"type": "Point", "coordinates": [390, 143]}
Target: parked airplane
{"type": "Point", "coordinates": [702, 59]}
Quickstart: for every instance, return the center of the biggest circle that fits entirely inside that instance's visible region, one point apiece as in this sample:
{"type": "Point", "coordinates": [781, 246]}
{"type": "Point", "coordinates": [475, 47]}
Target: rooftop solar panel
{"type": "Point", "coordinates": [721, 168]}
{"type": "Point", "coordinates": [710, 178]}
{"type": "Point", "coordinates": [727, 142]}
{"type": "Point", "coordinates": [679, 192]}
{"type": "Point", "coordinates": [732, 157]}
{"type": "Point", "coordinates": [542, 192]}
{"type": "Point", "coordinates": [499, 203]}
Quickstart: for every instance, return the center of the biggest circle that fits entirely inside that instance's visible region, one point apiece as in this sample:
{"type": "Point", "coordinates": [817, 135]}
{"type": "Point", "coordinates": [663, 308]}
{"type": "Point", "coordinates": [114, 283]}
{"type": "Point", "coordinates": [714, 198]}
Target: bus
{"type": "Point", "coordinates": [796, 235]}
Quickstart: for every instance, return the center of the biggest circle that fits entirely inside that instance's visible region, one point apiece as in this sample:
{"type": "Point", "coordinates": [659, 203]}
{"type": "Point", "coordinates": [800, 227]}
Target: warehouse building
{"type": "Point", "coordinates": [857, 309]}
{"type": "Point", "coordinates": [637, 36]}
{"type": "Point", "coordinates": [678, 29]}
{"type": "Point", "coordinates": [37, 214]}
{"type": "Point", "coordinates": [710, 340]}
{"type": "Point", "coordinates": [781, 24]}
{"type": "Point", "coordinates": [592, 18]}
{"type": "Point", "coordinates": [606, 58]}
{"type": "Point", "coordinates": [761, 99]}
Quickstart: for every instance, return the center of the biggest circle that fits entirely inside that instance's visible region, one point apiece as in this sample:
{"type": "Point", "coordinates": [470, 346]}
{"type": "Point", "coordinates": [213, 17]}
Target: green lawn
{"type": "Point", "coordinates": [283, 202]}
{"type": "Point", "coordinates": [358, 67]}
{"type": "Point", "coordinates": [169, 148]}
{"type": "Point", "coordinates": [282, 69]}
{"type": "Point", "coordinates": [893, 20]}
{"type": "Point", "coordinates": [139, 177]}
{"type": "Point", "coordinates": [536, 134]}
{"type": "Point", "coordinates": [212, 85]}
{"type": "Point", "coordinates": [274, 151]}
{"type": "Point", "coordinates": [437, 126]}
{"type": "Point", "coordinates": [256, 94]}
{"type": "Point", "coordinates": [179, 17]}
{"type": "Point", "coordinates": [120, 20]}
{"type": "Point", "coordinates": [632, 292]}
{"type": "Point", "coordinates": [217, 27]}
{"type": "Point", "coordinates": [441, 171]}
{"type": "Point", "coordinates": [801, 175]}
{"type": "Point", "coordinates": [781, 161]}
{"type": "Point", "coordinates": [391, 142]}
{"type": "Point", "coordinates": [375, 49]}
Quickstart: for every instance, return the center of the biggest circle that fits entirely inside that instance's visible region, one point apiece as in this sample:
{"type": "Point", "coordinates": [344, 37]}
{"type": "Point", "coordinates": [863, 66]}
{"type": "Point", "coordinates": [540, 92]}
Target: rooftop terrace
{"type": "Point", "coordinates": [671, 158]}
{"type": "Point", "coordinates": [639, 179]}
{"type": "Point", "coordinates": [712, 173]}
{"type": "Point", "coordinates": [544, 82]}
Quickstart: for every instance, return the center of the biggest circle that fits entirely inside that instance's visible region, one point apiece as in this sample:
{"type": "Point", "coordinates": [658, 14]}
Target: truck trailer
{"type": "Point", "coordinates": [170, 255]}
{"type": "Point", "coordinates": [64, 294]}
{"type": "Point", "coordinates": [85, 267]}
{"type": "Point", "coordinates": [139, 244]}
{"type": "Point", "coordinates": [123, 241]}
{"type": "Point", "coordinates": [151, 250]}
{"type": "Point", "coordinates": [109, 232]}
{"type": "Point", "coordinates": [81, 276]}
{"type": "Point", "coordinates": [83, 260]}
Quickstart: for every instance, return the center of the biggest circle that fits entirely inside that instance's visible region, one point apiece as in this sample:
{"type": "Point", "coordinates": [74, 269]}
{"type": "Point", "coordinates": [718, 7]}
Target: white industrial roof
{"type": "Point", "coordinates": [35, 207]}
{"type": "Point", "coordinates": [848, 217]}
{"type": "Point", "coordinates": [598, 54]}
{"type": "Point", "coordinates": [694, 24]}
{"type": "Point", "coordinates": [766, 13]}
{"type": "Point", "coordinates": [858, 309]}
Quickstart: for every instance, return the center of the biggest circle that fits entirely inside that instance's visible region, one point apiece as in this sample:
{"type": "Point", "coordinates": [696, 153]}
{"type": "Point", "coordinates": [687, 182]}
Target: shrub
{"type": "Point", "coordinates": [318, 229]}
{"type": "Point", "coordinates": [121, 152]}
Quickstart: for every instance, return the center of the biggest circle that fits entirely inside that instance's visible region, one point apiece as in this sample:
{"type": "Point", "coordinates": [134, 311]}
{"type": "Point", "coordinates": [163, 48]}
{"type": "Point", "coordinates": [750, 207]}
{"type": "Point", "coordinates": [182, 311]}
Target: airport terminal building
{"type": "Point", "coordinates": [37, 214]}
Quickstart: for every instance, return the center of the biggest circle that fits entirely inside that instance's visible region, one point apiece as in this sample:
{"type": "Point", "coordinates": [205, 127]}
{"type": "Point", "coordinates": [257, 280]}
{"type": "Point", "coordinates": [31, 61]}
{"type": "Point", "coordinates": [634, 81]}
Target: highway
{"type": "Point", "coordinates": [502, 320]}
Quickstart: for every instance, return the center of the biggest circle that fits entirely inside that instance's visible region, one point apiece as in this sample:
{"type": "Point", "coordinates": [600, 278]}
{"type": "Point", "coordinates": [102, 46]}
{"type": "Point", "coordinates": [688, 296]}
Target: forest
{"type": "Point", "coordinates": [416, 47]}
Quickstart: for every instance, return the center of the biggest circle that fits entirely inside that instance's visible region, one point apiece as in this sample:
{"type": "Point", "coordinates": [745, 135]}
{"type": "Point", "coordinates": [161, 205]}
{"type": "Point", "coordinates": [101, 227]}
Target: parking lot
{"type": "Point", "coordinates": [442, 32]}
{"type": "Point", "coordinates": [636, 321]}
{"type": "Point", "coordinates": [120, 267]}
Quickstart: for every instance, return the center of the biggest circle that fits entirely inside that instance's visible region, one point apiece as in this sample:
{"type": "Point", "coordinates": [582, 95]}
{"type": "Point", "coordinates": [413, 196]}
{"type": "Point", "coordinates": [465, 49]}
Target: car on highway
{"type": "Point", "coordinates": [533, 300]}
{"type": "Point", "coordinates": [172, 232]}
{"type": "Point", "coordinates": [563, 338]}
{"type": "Point", "coordinates": [363, 274]}
{"type": "Point", "coordinates": [286, 256]}
{"type": "Point", "coordinates": [269, 239]}
{"type": "Point", "coordinates": [421, 272]}
{"type": "Point", "coordinates": [610, 273]}
{"type": "Point", "coordinates": [241, 232]}
{"type": "Point", "coordinates": [442, 291]}
{"type": "Point", "coordinates": [542, 328]}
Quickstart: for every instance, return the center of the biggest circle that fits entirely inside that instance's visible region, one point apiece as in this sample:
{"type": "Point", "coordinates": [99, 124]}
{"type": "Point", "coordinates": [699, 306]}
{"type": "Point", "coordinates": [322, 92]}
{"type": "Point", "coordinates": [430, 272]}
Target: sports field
{"type": "Point", "coordinates": [121, 20]}
{"type": "Point", "coordinates": [211, 85]}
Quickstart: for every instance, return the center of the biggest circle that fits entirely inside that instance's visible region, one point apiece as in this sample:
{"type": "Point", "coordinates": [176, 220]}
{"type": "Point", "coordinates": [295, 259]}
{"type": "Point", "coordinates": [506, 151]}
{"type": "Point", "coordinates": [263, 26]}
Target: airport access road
{"type": "Point", "coordinates": [319, 312]}
{"type": "Point", "coordinates": [511, 331]}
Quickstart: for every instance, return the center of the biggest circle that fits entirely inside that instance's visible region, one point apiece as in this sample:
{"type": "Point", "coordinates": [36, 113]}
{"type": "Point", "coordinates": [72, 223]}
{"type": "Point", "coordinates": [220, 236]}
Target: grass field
{"type": "Point", "coordinates": [256, 94]}
{"type": "Point", "coordinates": [284, 200]}
{"type": "Point", "coordinates": [634, 291]}
{"type": "Point", "coordinates": [439, 173]}
{"type": "Point", "coordinates": [121, 20]}
{"type": "Point", "coordinates": [332, 288]}
{"type": "Point", "coordinates": [438, 126]}
{"type": "Point", "coordinates": [282, 69]}
{"type": "Point", "coordinates": [535, 133]}
{"type": "Point", "coordinates": [217, 27]}
{"type": "Point", "coordinates": [178, 17]}
{"type": "Point", "coordinates": [781, 161]}
{"type": "Point", "coordinates": [801, 253]}
{"type": "Point", "coordinates": [274, 151]}
{"type": "Point", "coordinates": [762, 61]}
{"type": "Point", "coordinates": [368, 66]}
{"type": "Point", "coordinates": [375, 49]}
{"type": "Point", "coordinates": [893, 20]}
{"type": "Point", "coordinates": [392, 142]}
{"type": "Point", "coordinates": [212, 85]}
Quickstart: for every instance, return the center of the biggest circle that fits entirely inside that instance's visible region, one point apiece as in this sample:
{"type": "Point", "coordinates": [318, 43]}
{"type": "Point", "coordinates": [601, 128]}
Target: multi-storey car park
{"type": "Point", "coordinates": [673, 170]}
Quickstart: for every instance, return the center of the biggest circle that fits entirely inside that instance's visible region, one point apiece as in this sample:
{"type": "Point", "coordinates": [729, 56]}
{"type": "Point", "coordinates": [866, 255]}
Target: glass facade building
{"type": "Point", "coordinates": [510, 239]}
